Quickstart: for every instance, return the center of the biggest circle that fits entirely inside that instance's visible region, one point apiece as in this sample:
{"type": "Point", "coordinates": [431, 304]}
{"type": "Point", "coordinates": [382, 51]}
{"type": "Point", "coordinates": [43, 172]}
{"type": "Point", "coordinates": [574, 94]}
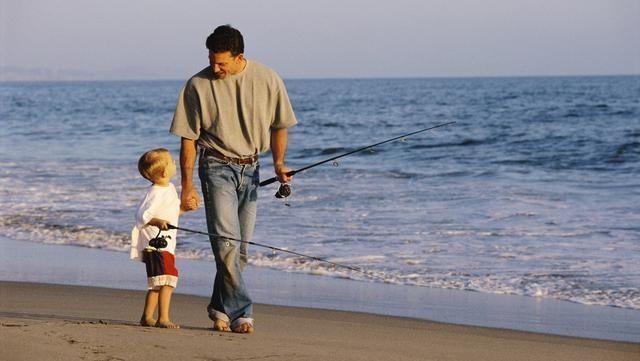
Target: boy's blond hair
{"type": "Point", "coordinates": [152, 164]}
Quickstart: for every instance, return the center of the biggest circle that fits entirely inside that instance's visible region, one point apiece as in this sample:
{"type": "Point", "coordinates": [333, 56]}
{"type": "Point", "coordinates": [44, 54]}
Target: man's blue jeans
{"type": "Point", "coordinates": [230, 193]}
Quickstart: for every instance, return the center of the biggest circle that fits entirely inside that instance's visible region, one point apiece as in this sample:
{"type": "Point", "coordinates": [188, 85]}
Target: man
{"type": "Point", "coordinates": [232, 110]}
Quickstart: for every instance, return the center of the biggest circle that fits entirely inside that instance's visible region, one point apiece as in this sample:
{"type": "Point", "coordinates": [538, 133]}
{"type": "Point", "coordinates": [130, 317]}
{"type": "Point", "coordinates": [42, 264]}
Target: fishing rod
{"type": "Point", "coordinates": [170, 226]}
{"type": "Point", "coordinates": [290, 173]}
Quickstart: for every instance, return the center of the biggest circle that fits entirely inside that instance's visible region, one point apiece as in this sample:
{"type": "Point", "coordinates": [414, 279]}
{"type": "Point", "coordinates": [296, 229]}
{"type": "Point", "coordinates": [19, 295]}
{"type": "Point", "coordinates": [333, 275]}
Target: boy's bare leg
{"type": "Point", "coordinates": [150, 304]}
{"type": "Point", "coordinates": [164, 302]}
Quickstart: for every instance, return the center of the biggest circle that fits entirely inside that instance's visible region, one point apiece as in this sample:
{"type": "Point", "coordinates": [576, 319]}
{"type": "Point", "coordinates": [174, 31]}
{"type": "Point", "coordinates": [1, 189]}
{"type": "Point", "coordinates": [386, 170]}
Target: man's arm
{"type": "Point", "coordinates": [189, 198]}
{"type": "Point", "coordinates": [279, 141]}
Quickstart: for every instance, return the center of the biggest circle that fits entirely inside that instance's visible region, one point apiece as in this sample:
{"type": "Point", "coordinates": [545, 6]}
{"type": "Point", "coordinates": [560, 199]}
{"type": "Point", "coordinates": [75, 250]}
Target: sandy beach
{"type": "Point", "coordinates": [54, 322]}
{"type": "Point", "coordinates": [298, 317]}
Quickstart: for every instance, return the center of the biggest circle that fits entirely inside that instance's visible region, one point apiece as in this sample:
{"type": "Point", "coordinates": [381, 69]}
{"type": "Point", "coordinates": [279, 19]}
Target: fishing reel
{"type": "Point", "coordinates": [159, 241]}
{"type": "Point", "coordinates": [284, 191]}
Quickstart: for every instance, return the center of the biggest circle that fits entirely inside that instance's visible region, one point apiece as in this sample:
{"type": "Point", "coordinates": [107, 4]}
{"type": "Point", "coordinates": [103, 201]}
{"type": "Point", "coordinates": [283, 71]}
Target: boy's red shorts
{"type": "Point", "coordinates": [161, 268]}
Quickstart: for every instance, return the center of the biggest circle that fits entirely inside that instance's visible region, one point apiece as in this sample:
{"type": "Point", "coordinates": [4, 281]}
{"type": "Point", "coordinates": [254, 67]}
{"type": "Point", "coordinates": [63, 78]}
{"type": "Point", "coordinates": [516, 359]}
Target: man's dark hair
{"type": "Point", "coordinates": [226, 38]}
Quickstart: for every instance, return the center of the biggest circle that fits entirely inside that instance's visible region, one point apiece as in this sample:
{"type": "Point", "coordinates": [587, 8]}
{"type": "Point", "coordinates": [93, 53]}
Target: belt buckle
{"type": "Point", "coordinates": [246, 160]}
{"type": "Point", "coordinates": [238, 161]}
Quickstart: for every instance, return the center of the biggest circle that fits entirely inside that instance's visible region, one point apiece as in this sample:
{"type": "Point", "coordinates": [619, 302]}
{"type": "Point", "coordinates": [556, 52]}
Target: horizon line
{"type": "Point", "coordinates": [97, 79]}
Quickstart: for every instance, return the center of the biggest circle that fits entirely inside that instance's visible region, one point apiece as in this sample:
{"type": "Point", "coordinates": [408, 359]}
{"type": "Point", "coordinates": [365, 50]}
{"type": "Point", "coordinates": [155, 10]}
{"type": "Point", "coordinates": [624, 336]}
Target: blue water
{"type": "Point", "coordinates": [534, 191]}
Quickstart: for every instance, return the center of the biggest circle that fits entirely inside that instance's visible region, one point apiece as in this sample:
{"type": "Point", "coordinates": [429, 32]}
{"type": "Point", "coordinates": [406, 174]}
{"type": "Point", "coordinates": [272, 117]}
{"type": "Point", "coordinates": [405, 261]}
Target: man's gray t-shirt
{"type": "Point", "coordinates": [233, 115]}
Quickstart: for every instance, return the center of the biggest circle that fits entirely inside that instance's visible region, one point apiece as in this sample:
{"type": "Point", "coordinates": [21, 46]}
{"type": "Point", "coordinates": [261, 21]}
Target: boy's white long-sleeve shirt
{"type": "Point", "coordinates": [159, 202]}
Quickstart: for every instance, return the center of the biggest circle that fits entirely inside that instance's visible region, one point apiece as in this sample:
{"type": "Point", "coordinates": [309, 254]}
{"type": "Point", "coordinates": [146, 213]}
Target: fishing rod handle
{"type": "Point", "coordinates": [268, 181]}
{"type": "Point", "coordinates": [273, 179]}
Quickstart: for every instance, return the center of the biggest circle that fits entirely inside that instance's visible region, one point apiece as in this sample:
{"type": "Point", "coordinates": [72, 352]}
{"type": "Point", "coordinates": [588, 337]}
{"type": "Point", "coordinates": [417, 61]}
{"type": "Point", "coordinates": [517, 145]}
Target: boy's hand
{"type": "Point", "coordinates": [160, 223]}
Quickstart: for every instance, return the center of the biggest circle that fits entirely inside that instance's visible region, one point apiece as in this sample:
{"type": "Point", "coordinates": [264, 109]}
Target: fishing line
{"type": "Point", "coordinates": [272, 248]}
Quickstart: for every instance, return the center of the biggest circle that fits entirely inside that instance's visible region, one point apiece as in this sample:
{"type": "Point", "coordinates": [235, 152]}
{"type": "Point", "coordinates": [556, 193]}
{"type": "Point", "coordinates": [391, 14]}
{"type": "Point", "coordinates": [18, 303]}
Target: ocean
{"type": "Point", "coordinates": [534, 191]}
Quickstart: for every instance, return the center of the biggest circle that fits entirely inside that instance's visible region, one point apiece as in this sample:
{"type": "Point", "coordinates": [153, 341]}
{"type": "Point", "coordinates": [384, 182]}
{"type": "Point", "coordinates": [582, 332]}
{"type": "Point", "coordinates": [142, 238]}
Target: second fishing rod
{"type": "Point", "coordinates": [360, 270]}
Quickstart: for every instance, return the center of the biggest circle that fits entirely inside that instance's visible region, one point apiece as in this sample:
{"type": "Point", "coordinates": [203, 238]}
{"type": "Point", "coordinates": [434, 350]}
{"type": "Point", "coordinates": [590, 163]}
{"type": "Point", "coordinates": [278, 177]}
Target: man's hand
{"type": "Point", "coordinates": [281, 173]}
{"type": "Point", "coordinates": [189, 199]}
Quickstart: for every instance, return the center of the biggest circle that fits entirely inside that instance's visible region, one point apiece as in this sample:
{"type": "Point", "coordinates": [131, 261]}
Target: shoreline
{"type": "Point", "coordinates": [58, 322]}
{"type": "Point", "coordinates": [79, 266]}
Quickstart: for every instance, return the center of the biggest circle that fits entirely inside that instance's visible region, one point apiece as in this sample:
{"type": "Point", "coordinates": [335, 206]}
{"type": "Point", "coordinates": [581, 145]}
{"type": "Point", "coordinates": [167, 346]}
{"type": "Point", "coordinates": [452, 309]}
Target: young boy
{"type": "Point", "coordinates": [159, 208]}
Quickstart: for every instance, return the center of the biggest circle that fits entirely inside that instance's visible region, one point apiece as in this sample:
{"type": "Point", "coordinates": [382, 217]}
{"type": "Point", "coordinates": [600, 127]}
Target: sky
{"type": "Point", "coordinates": [164, 39]}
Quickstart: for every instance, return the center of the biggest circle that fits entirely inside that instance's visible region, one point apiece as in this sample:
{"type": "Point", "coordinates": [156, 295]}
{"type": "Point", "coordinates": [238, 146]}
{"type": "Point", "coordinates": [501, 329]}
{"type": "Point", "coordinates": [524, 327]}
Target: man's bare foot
{"type": "Point", "coordinates": [244, 328]}
{"type": "Point", "coordinates": [221, 326]}
{"type": "Point", "coordinates": [167, 324]}
{"type": "Point", "coordinates": [147, 322]}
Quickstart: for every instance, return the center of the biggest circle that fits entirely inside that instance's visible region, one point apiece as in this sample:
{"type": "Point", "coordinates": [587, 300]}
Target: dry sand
{"type": "Point", "coordinates": [52, 322]}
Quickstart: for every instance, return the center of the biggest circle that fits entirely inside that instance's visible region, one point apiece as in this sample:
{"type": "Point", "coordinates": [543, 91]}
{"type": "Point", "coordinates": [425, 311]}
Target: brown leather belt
{"type": "Point", "coordinates": [240, 161]}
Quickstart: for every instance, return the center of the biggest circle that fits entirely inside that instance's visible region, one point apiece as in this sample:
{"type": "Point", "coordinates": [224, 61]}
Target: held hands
{"type": "Point", "coordinates": [189, 199]}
